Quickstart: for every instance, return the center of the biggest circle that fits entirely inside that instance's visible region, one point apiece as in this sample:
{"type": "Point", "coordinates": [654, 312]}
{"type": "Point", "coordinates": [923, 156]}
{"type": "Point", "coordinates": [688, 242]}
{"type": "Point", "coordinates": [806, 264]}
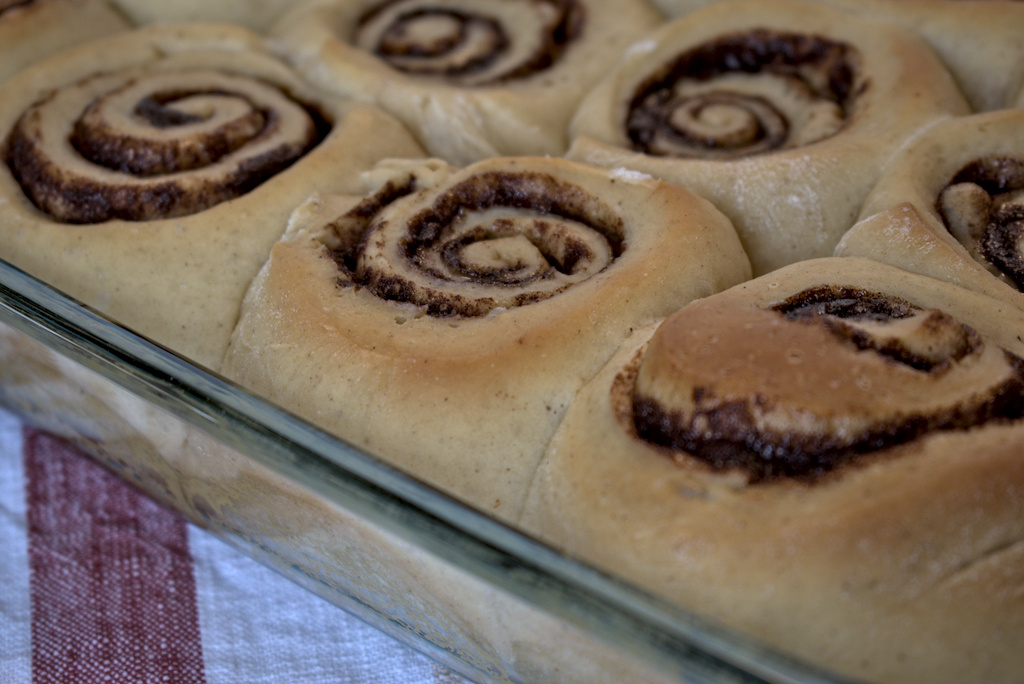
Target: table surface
{"type": "Point", "coordinates": [101, 584]}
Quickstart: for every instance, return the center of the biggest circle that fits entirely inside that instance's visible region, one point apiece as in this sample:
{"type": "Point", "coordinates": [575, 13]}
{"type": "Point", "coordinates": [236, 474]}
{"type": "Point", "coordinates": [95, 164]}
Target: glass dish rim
{"type": "Point", "coordinates": [664, 635]}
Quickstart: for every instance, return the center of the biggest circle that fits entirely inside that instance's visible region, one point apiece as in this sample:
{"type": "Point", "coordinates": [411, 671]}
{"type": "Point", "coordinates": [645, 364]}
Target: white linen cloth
{"type": "Point", "coordinates": [100, 584]}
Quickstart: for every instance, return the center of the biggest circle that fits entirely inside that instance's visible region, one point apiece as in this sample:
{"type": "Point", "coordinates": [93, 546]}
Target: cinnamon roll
{"type": "Point", "coordinates": [148, 174]}
{"type": "Point", "coordinates": [826, 458]}
{"type": "Point", "coordinates": [446, 319]}
{"type": "Point", "coordinates": [778, 112]}
{"type": "Point", "coordinates": [31, 30]}
{"type": "Point", "coordinates": [473, 79]}
{"type": "Point", "coordinates": [950, 204]}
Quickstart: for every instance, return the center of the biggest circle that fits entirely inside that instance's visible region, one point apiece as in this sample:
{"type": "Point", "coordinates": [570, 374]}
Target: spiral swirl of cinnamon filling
{"type": "Point", "coordinates": [497, 239]}
{"type": "Point", "coordinates": [743, 95]}
{"type": "Point", "coordinates": [983, 207]}
{"type": "Point", "coordinates": [11, 4]}
{"type": "Point", "coordinates": [141, 146]}
{"type": "Point", "coordinates": [826, 377]}
{"type": "Point", "coordinates": [468, 42]}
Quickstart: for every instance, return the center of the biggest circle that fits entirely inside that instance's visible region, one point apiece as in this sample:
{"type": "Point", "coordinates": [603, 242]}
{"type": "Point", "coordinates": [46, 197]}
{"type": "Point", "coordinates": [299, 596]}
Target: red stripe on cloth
{"type": "Point", "coordinates": [113, 594]}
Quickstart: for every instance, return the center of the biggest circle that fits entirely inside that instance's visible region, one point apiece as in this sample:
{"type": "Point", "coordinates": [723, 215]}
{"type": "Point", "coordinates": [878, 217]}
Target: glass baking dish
{"type": "Point", "coordinates": [474, 594]}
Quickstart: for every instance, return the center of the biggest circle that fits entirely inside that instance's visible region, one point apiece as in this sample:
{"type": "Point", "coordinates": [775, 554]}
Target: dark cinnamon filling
{"type": "Point", "coordinates": [74, 198]}
{"type": "Point", "coordinates": [460, 46]}
{"type": "Point", "coordinates": [832, 305]}
{"type": "Point", "coordinates": [443, 254]}
{"type": "Point", "coordinates": [822, 67]}
{"type": "Point", "coordinates": [727, 438]}
{"type": "Point", "coordinates": [101, 144]}
{"type": "Point", "coordinates": [844, 302]}
{"type": "Point", "coordinates": [536, 192]}
{"type": "Point", "coordinates": [995, 220]}
{"type": "Point", "coordinates": [1002, 242]}
{"type": "Point", "coordinates": [996, 175]}
{"type": "Point", "coordinates": [451, 54]}
{"type": "Point", "coordinates": [11, 4]}
{"type": "Point", "coordinates": [156, 111]}
{"type": "Point", "coordinates": [95, 201]}
{"type": "Point", "coordinates": [729, 434]}
{"type": "Point", "coordinates": [561, 253]}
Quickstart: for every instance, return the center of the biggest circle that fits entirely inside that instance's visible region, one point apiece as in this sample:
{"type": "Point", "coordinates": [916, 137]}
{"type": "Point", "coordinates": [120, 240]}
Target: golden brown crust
{"type": "Point", "coordinates": [462, 388]}
{"type": "Point", "coordinates": [901, 564]}
{"type": "Point", "coordinates": [140, 252]}
{"type": "Point", "coordinates": [780, 113]}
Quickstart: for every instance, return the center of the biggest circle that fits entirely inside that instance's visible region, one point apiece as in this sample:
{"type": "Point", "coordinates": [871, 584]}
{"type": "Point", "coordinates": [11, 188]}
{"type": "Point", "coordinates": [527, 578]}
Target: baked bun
{"type": "Point", "coordinates": [778, 112]}
{"type": "Point", "coordinates": [148, 174]}
{"type": "Point", "coordinates": [447, 319]}
{"type": "Point", "coordinates": [33, 29]}
{"type": "Point", "coordinates": [950, 204]}
{"type": "Point", "coordinates": [826, 459]}
{"type": "Point", "coordinates": [472, 78]}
